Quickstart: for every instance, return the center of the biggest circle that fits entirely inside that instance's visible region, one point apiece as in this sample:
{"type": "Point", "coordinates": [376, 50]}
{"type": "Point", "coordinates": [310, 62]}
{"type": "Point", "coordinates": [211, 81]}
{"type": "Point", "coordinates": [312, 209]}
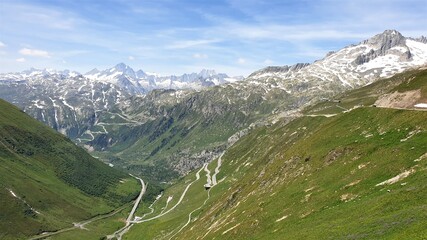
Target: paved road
{"type": "Point", "coordinates": [208, 176]}
{"type": "Point", "coordinates": [214, 182]}
{"type": "Point", "coordinates": [138, 200]}
{"type": "Point", "coordinates": [80, 225]}
{"type": "Point", "coordinates": [119, 233]}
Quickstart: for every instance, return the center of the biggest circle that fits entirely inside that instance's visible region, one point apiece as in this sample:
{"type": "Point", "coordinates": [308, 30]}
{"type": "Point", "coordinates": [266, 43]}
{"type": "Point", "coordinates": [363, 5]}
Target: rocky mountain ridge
{"type": "Point", "coordinates": [73, 103]}
{"type": "Point", "coordinates": [140, 82]}
{"type": "Point", "coordinates": [383, 55]}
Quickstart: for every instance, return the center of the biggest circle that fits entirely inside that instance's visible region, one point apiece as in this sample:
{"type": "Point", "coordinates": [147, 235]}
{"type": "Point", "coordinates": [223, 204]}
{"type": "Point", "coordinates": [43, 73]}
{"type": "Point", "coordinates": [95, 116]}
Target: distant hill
{"type": "Point", "coordinates": [47, 182]}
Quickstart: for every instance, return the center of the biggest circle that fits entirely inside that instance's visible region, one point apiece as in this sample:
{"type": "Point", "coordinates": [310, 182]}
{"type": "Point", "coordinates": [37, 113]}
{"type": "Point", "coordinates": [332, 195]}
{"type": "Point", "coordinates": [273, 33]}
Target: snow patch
{"type": "Point", "coordinates": [226, 231]}
{"type": "Point", "coordinates": [397, 178]}
{"type": "Point", "coordinates": [13, 194]}
{"type": "Point", "coordinates": [421, 105]}
{"type": "Point", "coordinates": [282, 218]}
{"type": "Point", "coordinates": [418, 50]}
{"type": "Point", "coordinates": [411, 134]}
{"type": "Point", "coordinates": [421, 158]}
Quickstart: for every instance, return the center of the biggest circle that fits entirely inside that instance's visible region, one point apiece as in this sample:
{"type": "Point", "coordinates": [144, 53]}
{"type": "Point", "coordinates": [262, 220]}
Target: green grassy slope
{"type": "Point", "coordinates": [47, 183]}
{"type": "Point", "coordinates": [314, 178]}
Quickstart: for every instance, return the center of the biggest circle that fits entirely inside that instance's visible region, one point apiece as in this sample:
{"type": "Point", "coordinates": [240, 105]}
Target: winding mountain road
{"type": "Point", "coordinates": [179, 201]}
{"type": "Point", "coordinates": [208, 175]}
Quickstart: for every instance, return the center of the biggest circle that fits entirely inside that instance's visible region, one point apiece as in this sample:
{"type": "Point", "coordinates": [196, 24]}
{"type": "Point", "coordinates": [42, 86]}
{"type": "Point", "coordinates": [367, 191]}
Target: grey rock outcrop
{"type": "Point", "coordinates": [421, 39]}
{"type": "Point", "coordinates": [280, 69]}
{"type": "Point", "coordinates": [383, 43]}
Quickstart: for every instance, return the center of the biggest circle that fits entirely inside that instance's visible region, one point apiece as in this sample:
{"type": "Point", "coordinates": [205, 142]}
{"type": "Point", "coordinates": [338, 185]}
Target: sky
{"type": "Point", "coordinates": [236, 37]}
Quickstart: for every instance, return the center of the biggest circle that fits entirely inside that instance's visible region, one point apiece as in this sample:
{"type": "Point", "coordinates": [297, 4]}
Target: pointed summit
{"type": "Point", "coordinates": [205, 73]}
{"type": "Point", "coordinates": [140, 74]}
{"type": "Point", "coordinates": [121, 67]}
{"type": "Point", "coordinates": [381, 44]}
{"type": "Point", "coordinates": [93, 71]}
{"type": "Point", "coordinates": [386, 40]}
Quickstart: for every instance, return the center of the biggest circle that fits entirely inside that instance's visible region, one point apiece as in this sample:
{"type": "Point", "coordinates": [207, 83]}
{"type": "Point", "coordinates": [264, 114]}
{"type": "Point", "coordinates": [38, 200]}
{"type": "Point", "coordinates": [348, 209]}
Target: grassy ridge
{"type": "Point", "coordinates": [54, 182]}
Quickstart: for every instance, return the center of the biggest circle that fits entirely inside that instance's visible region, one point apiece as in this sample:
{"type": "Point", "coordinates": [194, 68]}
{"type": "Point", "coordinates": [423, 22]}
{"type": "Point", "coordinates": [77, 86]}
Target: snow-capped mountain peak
{"type": "Point", "coordinates": [93, 71]}
{"type": "Point", "coordinates": [140, 74]}
{"type": "Point", "coordinates": [382, 55]}
{"type": "Point", "coordinates": [142, 82]}
{"type": "Point", "coordinates": [205, 73]}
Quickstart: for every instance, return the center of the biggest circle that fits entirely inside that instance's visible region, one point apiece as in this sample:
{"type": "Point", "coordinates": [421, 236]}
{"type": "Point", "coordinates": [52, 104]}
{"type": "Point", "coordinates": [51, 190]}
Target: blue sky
{"type": "Point", "coordinates": [177, 36]}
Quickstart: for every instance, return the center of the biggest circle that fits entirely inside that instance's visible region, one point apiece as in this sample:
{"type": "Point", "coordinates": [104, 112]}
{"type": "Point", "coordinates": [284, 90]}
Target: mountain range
{"type": "Point", "coordinates": [140, 82]}
{"type": "Point", "coordinates": [176, 130]}
{"type": "Point", "coordinates": [133, 82]}
{"type": "Point", "coordinates": [72, 103]}
{"type": "Point", "coordinates": [181, 131]}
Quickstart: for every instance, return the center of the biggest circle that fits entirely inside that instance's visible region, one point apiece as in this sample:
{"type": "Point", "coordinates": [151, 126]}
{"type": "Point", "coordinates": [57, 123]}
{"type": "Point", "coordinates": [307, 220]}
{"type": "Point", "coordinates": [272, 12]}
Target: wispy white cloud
{"type": "Point", "coordinates": [69, 53]}
{"type": "Point", "coordinates": [37, 15]}
{"type": "Point", "coordinates": [191, 43]}
{"type": "Point", "coordinates": [34, 52]}
{"type": "Point", "coordinates": [2, 44]}
{"type": "Point", "coordinates": [200, 56]}
{"type": "Point", "coordinates": [290, 33]}
{"type": "Point", "coordinates": [20, 60]}
{"type": "Point", "coordinates": [241, 61]}
{"type": "Point", "coordinates": [167, 36]}
{"type": "Point", "coordinates": [268, 61]}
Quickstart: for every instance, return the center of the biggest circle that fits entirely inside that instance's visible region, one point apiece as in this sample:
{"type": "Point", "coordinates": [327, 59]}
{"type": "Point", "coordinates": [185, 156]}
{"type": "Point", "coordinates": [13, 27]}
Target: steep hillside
{"type": "Point", "coordinates": [47, 182]}
{"type": "Point", "coordinates": [357, 174]}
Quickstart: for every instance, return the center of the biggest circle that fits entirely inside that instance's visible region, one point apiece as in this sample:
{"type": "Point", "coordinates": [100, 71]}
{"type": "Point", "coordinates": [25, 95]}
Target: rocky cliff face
{"type": "Point", "coordinates": [389, 42]}
{"type": "Point", "coordinates": [69, 104]}
{"type": "Point", "coordinates": [382, 55]}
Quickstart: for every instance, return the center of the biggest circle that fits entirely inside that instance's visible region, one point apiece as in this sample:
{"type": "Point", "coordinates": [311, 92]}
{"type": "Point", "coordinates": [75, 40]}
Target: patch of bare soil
{"type": "Point", "coordinates": [399, 100]}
